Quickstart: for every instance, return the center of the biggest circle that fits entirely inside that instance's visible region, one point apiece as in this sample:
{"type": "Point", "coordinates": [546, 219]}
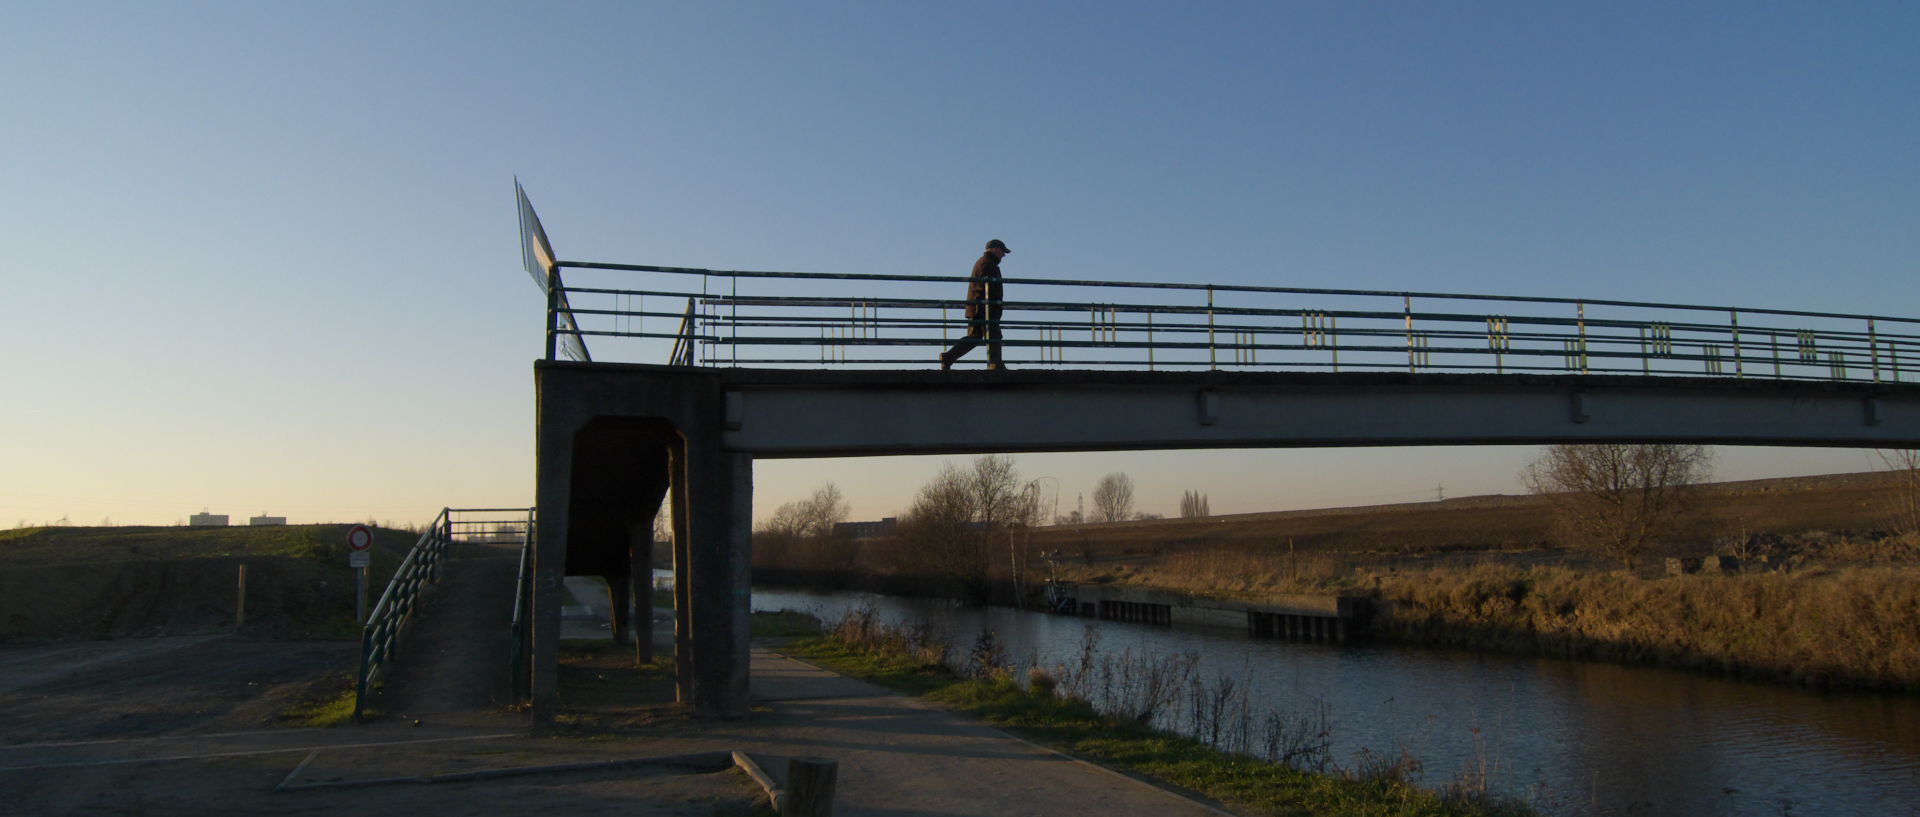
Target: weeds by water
{"type": "Point", "coordinates": [1821, 627]}
{"type": "Point", "coordinates": [1124, 710]}
{"type": "Point", "coordinates": [1841, 618]}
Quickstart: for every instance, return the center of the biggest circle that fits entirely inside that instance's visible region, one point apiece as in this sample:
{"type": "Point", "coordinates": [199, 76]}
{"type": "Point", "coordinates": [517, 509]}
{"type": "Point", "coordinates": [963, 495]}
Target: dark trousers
{"type": "Point", "coordinates": [987, 330]}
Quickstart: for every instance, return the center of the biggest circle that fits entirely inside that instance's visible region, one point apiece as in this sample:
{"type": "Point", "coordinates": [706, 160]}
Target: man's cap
{"type": "Point", "coordinates": [997, 244]}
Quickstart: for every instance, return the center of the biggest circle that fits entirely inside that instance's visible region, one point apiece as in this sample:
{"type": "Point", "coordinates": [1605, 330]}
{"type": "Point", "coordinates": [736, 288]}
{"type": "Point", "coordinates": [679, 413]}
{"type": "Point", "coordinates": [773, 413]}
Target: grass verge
{"type": "Point", "coordinates": [1073, 726]}
{"type": "Point", "coordinates": [326, 710]}
{"type": "Point", "coordinates": [784, 624]}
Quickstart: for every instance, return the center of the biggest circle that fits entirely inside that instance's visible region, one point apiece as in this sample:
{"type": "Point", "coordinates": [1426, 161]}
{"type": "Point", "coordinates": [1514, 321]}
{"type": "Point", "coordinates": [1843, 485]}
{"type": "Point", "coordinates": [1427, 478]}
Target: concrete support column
{"type": "Point", "coordinates": [721, 485]}
{"type": "Point", "coordinates": [682, 578]}
{"type": "Point", "coordinates": [552, 497]}
{"type": "Point", "coordinates": [619, 596]}
{"type": "Point", "coordinates": [640, 552]}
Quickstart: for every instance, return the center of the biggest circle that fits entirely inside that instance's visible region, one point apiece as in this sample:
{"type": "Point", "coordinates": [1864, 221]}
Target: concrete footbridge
{"type": "Point", "coordinates": [700, 372]}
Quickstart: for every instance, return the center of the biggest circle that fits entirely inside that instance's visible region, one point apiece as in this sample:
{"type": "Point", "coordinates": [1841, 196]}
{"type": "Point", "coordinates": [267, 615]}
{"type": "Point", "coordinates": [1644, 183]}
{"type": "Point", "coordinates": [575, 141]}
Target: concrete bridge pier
{"type": "Point", "coordinates": [608, 452]}
{"type": "Point", "coordinates": [719, 579]}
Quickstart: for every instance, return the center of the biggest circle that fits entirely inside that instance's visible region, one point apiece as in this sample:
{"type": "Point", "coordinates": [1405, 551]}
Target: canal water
{"type": "Point", "coordinates": [1573, 738]}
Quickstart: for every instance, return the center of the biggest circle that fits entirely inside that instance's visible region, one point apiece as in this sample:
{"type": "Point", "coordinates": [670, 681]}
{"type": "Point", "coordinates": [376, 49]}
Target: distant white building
{"type": "Point", "coordinates": [208, 520]}
{"type": "Point", "coordinates": [266, 520]}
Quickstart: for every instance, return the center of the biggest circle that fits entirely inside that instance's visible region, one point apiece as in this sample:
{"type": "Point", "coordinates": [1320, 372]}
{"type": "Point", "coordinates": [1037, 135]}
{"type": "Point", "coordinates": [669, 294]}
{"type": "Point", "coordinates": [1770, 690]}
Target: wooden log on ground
{"type": "Point", "coordinates": [810, 787]}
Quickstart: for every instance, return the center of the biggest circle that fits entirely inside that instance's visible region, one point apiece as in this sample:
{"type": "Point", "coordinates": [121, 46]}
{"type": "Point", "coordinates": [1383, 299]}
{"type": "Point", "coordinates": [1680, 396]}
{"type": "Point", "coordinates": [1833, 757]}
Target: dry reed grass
{"type": "Point", "coordinates": [1834, 624]}
{"type": "Point", "coordinates": [1851, 627]}
{"type": "Point", "coordinates": [1245, 568]}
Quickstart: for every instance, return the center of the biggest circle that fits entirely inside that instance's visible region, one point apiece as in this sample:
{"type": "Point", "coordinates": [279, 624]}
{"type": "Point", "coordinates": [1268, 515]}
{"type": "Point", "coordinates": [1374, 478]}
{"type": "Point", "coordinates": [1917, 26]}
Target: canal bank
{"type": "Point", "coordinates": [1293, 616]}
{"type": "Point", "coordinates": [1576, 738]}
{"type": "Point", "coordinates": [1049, 713]}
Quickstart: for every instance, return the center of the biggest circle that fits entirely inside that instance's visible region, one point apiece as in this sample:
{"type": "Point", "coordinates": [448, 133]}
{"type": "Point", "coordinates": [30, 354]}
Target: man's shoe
{"type": "Point", "coordinates": [945, 364]}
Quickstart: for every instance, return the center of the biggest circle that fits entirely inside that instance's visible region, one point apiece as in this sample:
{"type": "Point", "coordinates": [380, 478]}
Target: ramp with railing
{"type": "Point", "coordinates": [388, 621]}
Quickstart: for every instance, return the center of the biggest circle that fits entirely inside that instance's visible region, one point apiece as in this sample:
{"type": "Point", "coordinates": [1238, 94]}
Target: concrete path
{"type": "Point", "coordinates": [900, 756]}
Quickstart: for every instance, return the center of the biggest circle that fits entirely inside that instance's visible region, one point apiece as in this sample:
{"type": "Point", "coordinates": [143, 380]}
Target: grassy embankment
{"type": "Point", "coordinates": [1483, 573]}
{"type": "Point", "coordinates": [1048, 712]}
{"type": "Point", "coordinates": [1851, 626]}
{"type": "Point", "coordinates": [109, 582]}
{"type": "Point", "coordinates": [1842, 618]}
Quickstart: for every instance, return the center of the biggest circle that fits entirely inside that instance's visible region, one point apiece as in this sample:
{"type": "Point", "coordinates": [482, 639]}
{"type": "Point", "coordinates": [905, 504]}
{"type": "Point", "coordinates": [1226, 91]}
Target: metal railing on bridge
{"type": "Point", "coordinates": [708, 317]}
{"type": "Point", "coordinates": [420, 570]}
{"type": "Point", "coordinates": [786, 319]}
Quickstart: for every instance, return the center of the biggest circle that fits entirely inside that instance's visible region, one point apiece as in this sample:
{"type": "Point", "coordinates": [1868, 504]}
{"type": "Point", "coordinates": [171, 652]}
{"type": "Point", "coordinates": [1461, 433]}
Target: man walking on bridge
{"type": "Point", "coordinates": [983, 309]}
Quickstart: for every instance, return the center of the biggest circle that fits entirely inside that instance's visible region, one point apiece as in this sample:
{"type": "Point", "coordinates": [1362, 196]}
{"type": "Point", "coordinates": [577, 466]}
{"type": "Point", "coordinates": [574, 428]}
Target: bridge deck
{"type": "Point", "coordinates": [808, 413]}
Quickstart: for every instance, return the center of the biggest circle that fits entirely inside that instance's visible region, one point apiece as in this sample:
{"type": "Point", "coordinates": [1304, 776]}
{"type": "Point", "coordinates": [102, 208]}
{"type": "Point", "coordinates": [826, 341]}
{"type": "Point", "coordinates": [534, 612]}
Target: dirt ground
{"type": "Point", "coordinates": [152, 687]}
{"type": "Point", "coordinates": [193, 725]}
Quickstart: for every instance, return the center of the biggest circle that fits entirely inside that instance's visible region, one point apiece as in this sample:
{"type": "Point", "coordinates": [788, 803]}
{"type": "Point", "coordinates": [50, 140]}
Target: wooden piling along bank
{"type": "Point", "coordinates": [1294, 617]}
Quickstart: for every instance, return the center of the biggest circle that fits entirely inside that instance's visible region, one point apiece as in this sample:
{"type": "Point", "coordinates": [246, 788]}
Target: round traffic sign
{"type": "Point", "coordinates": [359, 537]}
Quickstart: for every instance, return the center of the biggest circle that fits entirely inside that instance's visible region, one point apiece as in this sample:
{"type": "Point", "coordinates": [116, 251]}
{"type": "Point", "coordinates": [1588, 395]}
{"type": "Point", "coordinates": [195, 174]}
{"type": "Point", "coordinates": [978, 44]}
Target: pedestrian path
{"type": "Point", "coordinates": [901, 756]}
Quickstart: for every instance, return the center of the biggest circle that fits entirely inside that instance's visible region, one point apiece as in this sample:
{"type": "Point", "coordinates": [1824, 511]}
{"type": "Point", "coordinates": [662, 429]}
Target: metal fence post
{"type": "Point", "coordinates": [553, 313]}
{"type": "Point", "coordinates": [1873, 344]}
{"type": "Point", "coordinates": [1407, 309]}
{"type": "Point", "coordinates": [1213, 355]}
{"type": "Point", "coordinates": [1739, 366]}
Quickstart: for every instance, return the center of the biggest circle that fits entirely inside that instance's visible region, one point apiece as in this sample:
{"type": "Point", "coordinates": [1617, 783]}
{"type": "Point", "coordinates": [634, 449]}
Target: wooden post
{"type": "Point", "coordinates": [240, 602]}
{"type": "Point", "coordinates": [810, 787]}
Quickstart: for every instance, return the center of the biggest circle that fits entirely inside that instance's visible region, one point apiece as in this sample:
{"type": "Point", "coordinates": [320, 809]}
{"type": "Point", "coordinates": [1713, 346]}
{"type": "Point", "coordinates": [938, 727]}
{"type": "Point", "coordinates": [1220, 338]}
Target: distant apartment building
{"type": "Point", "coordinates": [266, 520]}
{"type": "Point", "coordinates": [866, 530]}
{"type": "Point", "coordinates": [208, 520]}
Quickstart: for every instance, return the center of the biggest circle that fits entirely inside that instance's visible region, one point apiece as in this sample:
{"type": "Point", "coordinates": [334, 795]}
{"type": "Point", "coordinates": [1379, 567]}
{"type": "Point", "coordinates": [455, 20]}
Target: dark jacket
{"type": "Point", "coordinates": [984, 286]}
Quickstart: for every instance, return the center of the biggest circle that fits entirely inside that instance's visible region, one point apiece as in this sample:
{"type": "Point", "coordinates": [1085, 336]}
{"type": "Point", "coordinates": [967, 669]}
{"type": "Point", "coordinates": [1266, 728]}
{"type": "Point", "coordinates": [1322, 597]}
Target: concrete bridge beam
{"type": "Point", "coordinates": [809, 414]}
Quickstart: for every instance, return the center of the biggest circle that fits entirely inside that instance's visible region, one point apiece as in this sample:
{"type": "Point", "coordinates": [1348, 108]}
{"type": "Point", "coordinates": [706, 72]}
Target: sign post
{"type": "Point", "coordinates": [359, 544]}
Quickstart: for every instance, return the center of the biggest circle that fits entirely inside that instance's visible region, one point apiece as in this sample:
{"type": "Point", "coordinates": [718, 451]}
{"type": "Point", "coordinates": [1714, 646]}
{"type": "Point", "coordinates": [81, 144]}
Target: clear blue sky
{"type": "Point", "coordinates": [262, 257]}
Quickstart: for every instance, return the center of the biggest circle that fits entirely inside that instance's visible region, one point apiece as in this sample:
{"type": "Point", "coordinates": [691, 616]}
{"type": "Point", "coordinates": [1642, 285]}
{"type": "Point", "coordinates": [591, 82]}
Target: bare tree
{"type": "Point", "coordinates": [810, 518]}
{"type": "Point", "coordinates": [1113, 498]}
{"type": "Point", "coordinates": [1905, 464]}
{"type": "Point", "coordinates": [1193, 505]}
{"type": "Point", "coordinates": [1617, 499]}
{"type": "Point", "coordinates": [938, 528]}
{"type": "Point", "coordinates": [964, 515]}
{"type": "Point", "coordinates": [823, 511]}
{"type": "Point", "coordinates": [999, 502]}
{"type": "Point", "coordinates": [801, 534]}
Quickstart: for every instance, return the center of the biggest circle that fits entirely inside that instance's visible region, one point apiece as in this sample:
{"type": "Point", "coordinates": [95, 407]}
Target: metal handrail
{"type": "Point", "coordinates": [522, 629]}
{"type": "Point", "coordinates": [1236, 327]}
{"type": "Point", "coordinates": [380, 635]}
{"type": "Point", "coordinates": [684, 340]}
{"type": "Point", "coordinates": [387, 622]}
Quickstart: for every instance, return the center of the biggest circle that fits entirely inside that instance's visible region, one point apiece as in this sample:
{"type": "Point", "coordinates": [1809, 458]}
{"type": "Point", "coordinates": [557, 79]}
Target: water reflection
{"type": "Point", "coordinates": [1578, 738]}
